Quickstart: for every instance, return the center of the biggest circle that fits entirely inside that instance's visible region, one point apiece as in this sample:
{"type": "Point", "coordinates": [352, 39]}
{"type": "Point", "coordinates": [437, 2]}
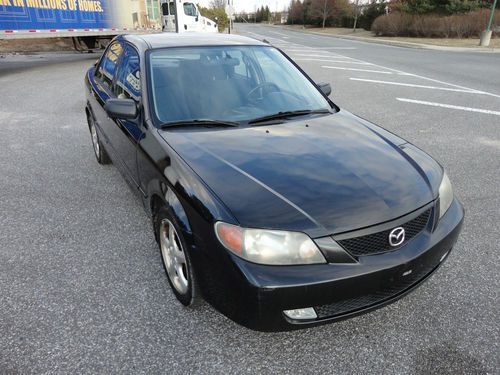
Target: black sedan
{"type": "Point", "coordinates": [266, 199]}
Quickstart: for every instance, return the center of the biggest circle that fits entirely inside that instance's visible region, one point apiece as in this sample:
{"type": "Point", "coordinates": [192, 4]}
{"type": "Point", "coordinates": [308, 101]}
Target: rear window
{"type": "Point", "coordinates": [107, 67]}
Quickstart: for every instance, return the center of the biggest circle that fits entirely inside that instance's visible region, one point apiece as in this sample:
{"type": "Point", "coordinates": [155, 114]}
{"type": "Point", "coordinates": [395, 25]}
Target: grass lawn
{"type": "Point", "coordinates": [448, 42]}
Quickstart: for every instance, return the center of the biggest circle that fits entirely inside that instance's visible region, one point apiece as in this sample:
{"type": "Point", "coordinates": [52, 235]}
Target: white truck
{"type": "Point", "coordinates": [188, 15]}
{"type": "Point", "coordinates": [93, 23]}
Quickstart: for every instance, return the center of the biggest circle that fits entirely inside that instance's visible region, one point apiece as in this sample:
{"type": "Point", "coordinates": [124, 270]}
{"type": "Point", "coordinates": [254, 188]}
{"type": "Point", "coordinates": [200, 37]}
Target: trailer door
{"type": "Point", "coordinates": [168, 16]}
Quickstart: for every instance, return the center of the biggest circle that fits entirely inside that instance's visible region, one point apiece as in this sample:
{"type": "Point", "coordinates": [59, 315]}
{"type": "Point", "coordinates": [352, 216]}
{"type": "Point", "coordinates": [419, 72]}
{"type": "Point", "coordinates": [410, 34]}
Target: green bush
{"type": "Point", "coordinates": [466, 25]}
{"type": "Point", "coordinates": [213, 13]}
{"type": "Point", "coordinates": [370, 13]}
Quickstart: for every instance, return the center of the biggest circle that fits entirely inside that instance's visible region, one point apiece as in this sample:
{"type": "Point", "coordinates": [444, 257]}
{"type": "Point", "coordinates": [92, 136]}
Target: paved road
{"type": "Point", "coordinates": [82, 288]}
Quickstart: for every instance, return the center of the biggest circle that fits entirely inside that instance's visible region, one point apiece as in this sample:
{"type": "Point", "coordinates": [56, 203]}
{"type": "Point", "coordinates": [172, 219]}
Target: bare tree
{"type": "Point", "coordinates": [295, 12]}
{"type": "Point", "coordinates": [323, 9]}
{"type": "Point", "coordinates": [356, 14]}
{"type": "Point", "coordinates": [218, 4]}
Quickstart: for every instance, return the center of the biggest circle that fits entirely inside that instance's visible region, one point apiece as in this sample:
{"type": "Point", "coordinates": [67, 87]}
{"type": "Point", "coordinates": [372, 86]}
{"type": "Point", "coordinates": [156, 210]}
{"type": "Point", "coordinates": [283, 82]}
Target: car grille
{"type": "Point", "coordinates": [375, 298]}
{"type": "Point", "coordinates": [377, 243]}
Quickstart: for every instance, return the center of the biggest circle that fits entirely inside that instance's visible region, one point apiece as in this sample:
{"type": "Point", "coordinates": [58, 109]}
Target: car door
{"type": "Point", "coordinates": [125, 134]}
{"type": "Point", "coordinates": [191, 17]}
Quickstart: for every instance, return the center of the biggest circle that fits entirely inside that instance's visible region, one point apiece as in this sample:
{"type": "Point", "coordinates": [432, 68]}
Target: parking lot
{"type": "Point", "coordinates": [82, 287]}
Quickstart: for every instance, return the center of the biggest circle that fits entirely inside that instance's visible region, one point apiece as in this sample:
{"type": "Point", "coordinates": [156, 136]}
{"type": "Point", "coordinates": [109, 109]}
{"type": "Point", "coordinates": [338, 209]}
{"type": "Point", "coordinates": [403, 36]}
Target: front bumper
{"type": "Point", "coordinates": [256, 295]}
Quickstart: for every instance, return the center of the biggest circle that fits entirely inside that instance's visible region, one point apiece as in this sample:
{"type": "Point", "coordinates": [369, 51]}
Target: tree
{"type": "Point", "coordinates": [323, 12]}
{"type": "Point", "coordinates": [218, 4]}
{"type": "Point", "coordinates": [267, 14]}
{"type": "Point", "coordinates": [437, 6]}
{"type": "Point", "coordinates": [259, 15]}
{"type": "Point", "coordinates": [213, 13]}
{"type": "Point", "coordinates": [370, 12]}
{"type": "Point", "coordinates": [295, 11]}
{"type": "Point", "coordinates": [323, 9]}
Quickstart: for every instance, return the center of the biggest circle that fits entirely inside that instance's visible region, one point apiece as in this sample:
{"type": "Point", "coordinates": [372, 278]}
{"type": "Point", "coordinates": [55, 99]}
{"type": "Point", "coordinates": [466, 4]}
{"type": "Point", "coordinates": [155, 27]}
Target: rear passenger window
{"type": "Point", "coordinates": [107, 67]}
{"type": "Point", "coordinates": [128, 80]}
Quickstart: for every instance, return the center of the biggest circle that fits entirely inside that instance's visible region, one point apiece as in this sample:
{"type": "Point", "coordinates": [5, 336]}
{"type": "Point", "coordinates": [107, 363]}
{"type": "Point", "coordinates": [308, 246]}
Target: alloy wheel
{"type": "Point", "coordinates": [95, 139]}
{"type": "Point", "coordinates": [174, 257]}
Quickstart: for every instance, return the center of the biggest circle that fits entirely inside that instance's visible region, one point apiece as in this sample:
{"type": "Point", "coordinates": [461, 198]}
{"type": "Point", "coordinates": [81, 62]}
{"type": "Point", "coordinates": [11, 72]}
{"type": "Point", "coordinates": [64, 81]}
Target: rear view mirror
{"type": "Point", "coordinates": [121, 108]}
{"type": "Point", "coordinates": [325, 88]}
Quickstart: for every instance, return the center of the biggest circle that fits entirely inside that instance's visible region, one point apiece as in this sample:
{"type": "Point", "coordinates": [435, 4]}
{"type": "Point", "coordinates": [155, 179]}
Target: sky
{"type": "Point", "coordinates": [249, 5]}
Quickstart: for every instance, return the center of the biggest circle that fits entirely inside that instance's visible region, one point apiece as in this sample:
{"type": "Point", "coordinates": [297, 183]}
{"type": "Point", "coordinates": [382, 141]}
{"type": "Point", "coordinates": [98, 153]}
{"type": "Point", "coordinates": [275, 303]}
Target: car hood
{"type": "Point", "coordinates": [322, 175]}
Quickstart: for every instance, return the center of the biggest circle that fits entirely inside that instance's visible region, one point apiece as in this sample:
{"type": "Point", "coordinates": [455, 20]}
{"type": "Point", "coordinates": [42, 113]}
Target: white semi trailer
{"type": "Point", "coordinates": [93, 23]}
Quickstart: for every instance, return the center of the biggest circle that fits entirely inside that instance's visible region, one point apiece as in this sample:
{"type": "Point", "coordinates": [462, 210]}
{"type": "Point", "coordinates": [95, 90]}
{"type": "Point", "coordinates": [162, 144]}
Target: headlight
{"type": "Point", "coordinates": [274, 247]}
{"type": "Point", "coordinates": [445, 195]}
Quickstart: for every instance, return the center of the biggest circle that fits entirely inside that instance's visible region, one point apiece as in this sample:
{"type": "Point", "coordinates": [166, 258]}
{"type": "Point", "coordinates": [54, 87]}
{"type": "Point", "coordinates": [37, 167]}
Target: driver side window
{"type": "Point", "coordinates": [190, 10]}
{"type": "Point", "coordinates": [273, 73]}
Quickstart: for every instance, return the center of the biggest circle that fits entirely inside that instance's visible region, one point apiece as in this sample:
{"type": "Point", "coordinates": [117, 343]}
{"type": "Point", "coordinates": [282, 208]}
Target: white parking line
{"type": "Point", "coordinates": [356, 69]}
{"type": "Point", "coordinates": [309, 55]}
{"type": "Point", "coordinates": [298, 47]}
{"type": "Point", "coordinates": [417, 86]}
{"type": "Point", "coordinates": [403, 73]}
{"type": "Point", "coordinates": [303, 48]}
{"type": "Point", "coordinates": [400, 72]}
{"type": "Point", "coordinates": [334, 61]}
{"type": "Point", "coordinates": [450, 106]}
{"type": "Point", "coordinates": [330, 56]}
{"type": "Point", "coordinates": [283, 35]}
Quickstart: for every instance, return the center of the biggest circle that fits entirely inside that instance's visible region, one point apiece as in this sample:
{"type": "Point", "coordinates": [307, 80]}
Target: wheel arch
{"type": "Point", "coordinates": [173, 204]}
{"type": "Point", "coordinates": [89, 113]}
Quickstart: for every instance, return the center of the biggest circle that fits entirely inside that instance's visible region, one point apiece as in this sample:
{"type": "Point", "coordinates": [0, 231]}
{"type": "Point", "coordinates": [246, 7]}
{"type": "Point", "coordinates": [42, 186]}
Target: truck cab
{"type": "Point", "coordinates": [188, 16]}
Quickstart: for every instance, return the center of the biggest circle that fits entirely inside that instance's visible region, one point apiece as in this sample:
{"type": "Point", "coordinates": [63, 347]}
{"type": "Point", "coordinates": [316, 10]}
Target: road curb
{"type": "Point", "coordinates": [401, 43]}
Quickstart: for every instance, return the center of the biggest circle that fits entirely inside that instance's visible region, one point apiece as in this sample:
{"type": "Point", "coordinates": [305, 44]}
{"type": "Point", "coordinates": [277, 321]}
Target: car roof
{"type": "Point", "coordinates": [191, 39]}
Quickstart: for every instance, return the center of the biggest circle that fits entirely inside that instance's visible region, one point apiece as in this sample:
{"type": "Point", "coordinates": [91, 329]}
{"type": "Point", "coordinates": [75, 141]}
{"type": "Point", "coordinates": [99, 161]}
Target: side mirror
{"type": "Point", "coordinates": [121, 108]}
{"type": "Point", "coordinates": [197, 18]}
{"type": "Point", "coordinates": [325, 88]}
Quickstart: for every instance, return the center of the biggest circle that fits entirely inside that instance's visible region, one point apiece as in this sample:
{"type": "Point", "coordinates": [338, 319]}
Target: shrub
{"type": "Point", "coordinates": [370, 12]}
{"type": "Point", "coordinates": [434, 26]}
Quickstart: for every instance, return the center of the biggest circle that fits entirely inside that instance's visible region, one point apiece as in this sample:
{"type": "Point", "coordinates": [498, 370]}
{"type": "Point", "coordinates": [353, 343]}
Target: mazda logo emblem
{"type": "Point", "coordinates": [397, 236]}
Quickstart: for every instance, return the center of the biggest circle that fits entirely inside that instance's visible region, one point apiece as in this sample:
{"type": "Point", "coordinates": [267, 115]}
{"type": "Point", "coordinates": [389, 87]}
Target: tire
{"type": "Point", "coordinates": [99, 151]}
{"type": "Point", "coordinates": [176, 259]}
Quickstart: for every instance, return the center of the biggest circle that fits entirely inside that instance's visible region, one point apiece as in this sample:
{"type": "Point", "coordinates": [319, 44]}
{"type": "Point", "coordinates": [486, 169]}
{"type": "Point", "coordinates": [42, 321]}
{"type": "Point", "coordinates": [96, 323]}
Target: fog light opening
{"type": "Point", "coordinates": [301, 314]}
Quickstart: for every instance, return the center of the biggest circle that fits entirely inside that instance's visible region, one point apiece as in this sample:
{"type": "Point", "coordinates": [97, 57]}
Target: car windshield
{"type": "Point", "coordinates": [228, 83]}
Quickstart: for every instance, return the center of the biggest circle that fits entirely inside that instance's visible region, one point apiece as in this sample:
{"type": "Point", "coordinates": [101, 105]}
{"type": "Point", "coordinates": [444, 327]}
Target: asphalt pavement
{"type": "Point", "coordinates": [82, 287]}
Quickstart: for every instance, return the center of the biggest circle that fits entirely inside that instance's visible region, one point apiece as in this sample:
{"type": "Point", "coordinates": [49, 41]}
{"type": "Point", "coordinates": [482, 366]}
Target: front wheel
{"type": "Point", "coordinates": [99, 151]}
{"type": "Point", "coordinates": [176, 259]}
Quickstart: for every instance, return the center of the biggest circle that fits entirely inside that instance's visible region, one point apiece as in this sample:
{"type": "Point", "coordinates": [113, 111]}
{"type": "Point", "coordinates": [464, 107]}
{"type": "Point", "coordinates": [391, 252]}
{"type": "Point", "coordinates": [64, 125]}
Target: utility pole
{"type": "Point", "coordinates": [486, 34]}
{"type": "Point", "coordinates": [230, 11]}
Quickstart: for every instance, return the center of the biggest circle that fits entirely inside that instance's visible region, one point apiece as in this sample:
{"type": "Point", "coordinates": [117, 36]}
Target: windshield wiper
{"type": "Point", "coordinates": [287, 114]}
{"type": "Point", "coordinates": [199, 122]}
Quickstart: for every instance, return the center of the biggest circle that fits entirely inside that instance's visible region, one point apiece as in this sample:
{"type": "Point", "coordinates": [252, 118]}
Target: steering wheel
{"type": "Point", "coordinates": [261, 87]}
